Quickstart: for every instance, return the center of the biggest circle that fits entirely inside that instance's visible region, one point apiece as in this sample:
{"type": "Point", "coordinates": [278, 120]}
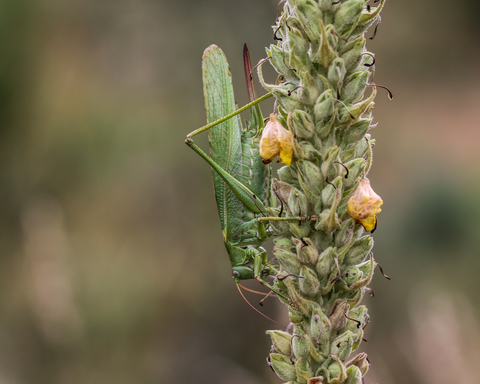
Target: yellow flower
{"type": "Point", "coordinates": [364, 205]}
{"type": "Point", "coordinates": [276, 141]}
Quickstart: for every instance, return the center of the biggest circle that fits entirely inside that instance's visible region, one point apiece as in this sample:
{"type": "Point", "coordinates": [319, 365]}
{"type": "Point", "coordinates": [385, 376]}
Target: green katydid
{"type": "Point", "coordinates": [241, 180]}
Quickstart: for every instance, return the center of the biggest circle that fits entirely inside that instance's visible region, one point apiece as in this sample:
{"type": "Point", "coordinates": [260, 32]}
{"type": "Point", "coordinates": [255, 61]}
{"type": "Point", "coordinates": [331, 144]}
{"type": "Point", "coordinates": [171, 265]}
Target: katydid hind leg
{"type": "Point", "coordinates": [246, 196]}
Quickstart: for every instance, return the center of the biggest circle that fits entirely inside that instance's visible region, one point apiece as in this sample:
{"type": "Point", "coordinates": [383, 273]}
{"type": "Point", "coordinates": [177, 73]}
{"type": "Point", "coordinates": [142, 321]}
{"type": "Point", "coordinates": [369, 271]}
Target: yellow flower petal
{"type": "Point", "coordinates": [276, 141]}
{"type": "Point", "coordinates": [286, 147]}
{"type": "Point", "coordinates": [364, 204]}
{"type": "Point", "coordinates": [369, 223]}
{"type": "Point", "coordinates": [269, 145]}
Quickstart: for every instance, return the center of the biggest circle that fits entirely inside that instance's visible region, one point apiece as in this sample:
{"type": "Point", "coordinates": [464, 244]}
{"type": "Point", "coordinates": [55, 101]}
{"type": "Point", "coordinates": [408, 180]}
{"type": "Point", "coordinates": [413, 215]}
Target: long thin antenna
{"type": "Point", "coordinates": [256, 310]}
{"type": "Point", "coordinates": [248, 73]}
{"type": "Point", "coordinates": [256, 292]}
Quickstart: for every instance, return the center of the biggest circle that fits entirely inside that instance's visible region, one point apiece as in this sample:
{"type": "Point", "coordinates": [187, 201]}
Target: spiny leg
{"type": "Point", "coordinates": [247, 197]}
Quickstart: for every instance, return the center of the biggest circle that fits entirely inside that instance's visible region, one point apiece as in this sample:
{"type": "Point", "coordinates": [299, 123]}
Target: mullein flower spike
{"type": "Point", "coordinates": [364, 205]}
{"type": "Point", "coordinates": [325, 261]}
{"type": "Point", "coordinates": [276, 141]}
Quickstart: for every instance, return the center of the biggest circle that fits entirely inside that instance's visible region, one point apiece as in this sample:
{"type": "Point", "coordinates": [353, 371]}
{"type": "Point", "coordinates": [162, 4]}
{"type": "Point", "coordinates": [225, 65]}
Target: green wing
{"type": "Point", "coordinates": [225, 138]}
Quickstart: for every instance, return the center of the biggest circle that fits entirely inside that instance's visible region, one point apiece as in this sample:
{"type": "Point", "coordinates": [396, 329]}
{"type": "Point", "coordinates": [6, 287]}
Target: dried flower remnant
{"type": "Point", "coordinates": [276, 141]}
{"type": "Point", "coordinates": [364, 205]}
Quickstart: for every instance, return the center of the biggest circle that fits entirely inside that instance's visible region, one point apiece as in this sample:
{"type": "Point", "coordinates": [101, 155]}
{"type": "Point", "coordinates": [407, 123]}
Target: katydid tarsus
{"type": "Point", "coordinates": [241, 180]}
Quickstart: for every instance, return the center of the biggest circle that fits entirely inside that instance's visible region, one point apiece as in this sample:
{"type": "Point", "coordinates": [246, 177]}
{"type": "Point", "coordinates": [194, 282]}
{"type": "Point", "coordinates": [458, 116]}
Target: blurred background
{"type": "Point", "coordinates": [112, 265]}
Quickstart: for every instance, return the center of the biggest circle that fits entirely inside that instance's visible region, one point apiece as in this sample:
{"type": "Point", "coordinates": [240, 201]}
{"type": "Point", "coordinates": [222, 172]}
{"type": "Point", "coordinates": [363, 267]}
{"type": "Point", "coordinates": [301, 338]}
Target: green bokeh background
{"type": "Point", "coordinates": [112, 266]}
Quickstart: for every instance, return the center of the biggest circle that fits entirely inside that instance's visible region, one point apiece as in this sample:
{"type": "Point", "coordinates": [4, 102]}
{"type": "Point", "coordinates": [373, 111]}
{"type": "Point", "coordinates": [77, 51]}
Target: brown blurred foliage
{"type": "Point", "coordinates": [112, 267]}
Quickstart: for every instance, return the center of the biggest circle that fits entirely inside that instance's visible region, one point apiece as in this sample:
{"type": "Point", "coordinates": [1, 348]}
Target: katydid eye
{"type": "Point", "coordinates": [236, 274]}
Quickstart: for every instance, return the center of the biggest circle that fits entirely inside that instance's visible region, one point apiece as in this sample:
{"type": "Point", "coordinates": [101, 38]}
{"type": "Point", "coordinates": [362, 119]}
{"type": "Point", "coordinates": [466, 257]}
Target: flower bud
{"type": "Point", "coordinates": [320, 328]}
{"type": "Point", "coordinates": [281, 341]}
{"type": "Point", "coordinates": [357, 276]}
{"type": "Point", "coordinates": [314, 350]}
{"type": "Point", "coordinates": [360, 314]}
{"type": "Point", "coordinates": [354, 87]}
{"type": "Point", "coordinates": [296, 51]}
{"type": "Point", "coordinates": [276, 141]}
{"type": "Point", "coordinates": [326, 262]}
{"type": "Point", "coordinates": [303, 369]}
{"type": "Point", "coordinates": [309, 285]}
{"type": "Point", "coordinates": [364, 205]}
{"type": "Point", "coordinates": [329, 167]}
{"type": "Point", "coordinates": [295, 317]}
{"type": "Point", "coordinates": [359, 250]}
{"type": "Point", "coordinates": [278, 62]}
{"type": "Point", "coordinates": [330, 191]}
{"type": "Point", "coordinates": [360, 361]}
{"type": "Point", "coordinates": [368, 17]}
{"type": "Point", "coordinates": [302, 305]}
{"type": "Point", "coordinates": [307, 253]}
{"type": "Point", "coordinates": [336, 72]}
{"type": "Point", "coordinates": [310, 179]}
{"type": "Point", "coordinates": [354, 112]}
{"type": "Point", "coordinates": [310, 90]}
{"type": "Point", "coordinates": [355, 132]}
{"type": "Point", "coordinates": [352, 54]}
{"type": "Point", "coordinates": [324, 105]}
{"type": "Point", "coordinates": [297, 202]}
{"type": "Point", "coordinates": [325, 54]}
{"type": "Point", "coordinates": [354, 376]}
{"type": "Point", "coordinates": [337, 371]}
{"type": "Point", "coordinates": [298, 44]}
{"type": "Point", "coordinates": [324, 128]}
{"type": "Point", "coordinates": [288, 175]}
{"type": "Point", "coordinates": [283, 367]}
{"type": "Point", "coordinates": [328, 220]}
{"type": "Point", "coordinates": [301, 229]}
{"type": "Point", "coordinates": [288, 100]}
{"type": "Point", "coordinates": [304, 125]}
{"type": "Point", "coordinates": [337, 315]}
{"type": "Point", "coordinates": [348, 16]}
{"type": "Point", "coordinates": [306, 151]}
{"type": "Point", "coordinates": [351, 275]}
{"type": "Point", "coordinates": [344, 236]}
{"type": "Point", "coordinates": [355, 168]}
{"type": "Point", "coordinates": [362, 145]}
{"type": "Point", "coordinates": [312, 30]}
{"type": "Point", "coordinates": [342, 345]}
{"type": "Point", "coordinates": [299, 344]}
{"type": "Point", "coordinates": [288, 260]}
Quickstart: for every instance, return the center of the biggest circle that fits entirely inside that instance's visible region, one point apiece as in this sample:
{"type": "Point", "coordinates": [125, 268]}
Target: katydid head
{"type": "Point", "coordinates": [248, 262]}
{"type": "Point", "coordinates": [242, 273]}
